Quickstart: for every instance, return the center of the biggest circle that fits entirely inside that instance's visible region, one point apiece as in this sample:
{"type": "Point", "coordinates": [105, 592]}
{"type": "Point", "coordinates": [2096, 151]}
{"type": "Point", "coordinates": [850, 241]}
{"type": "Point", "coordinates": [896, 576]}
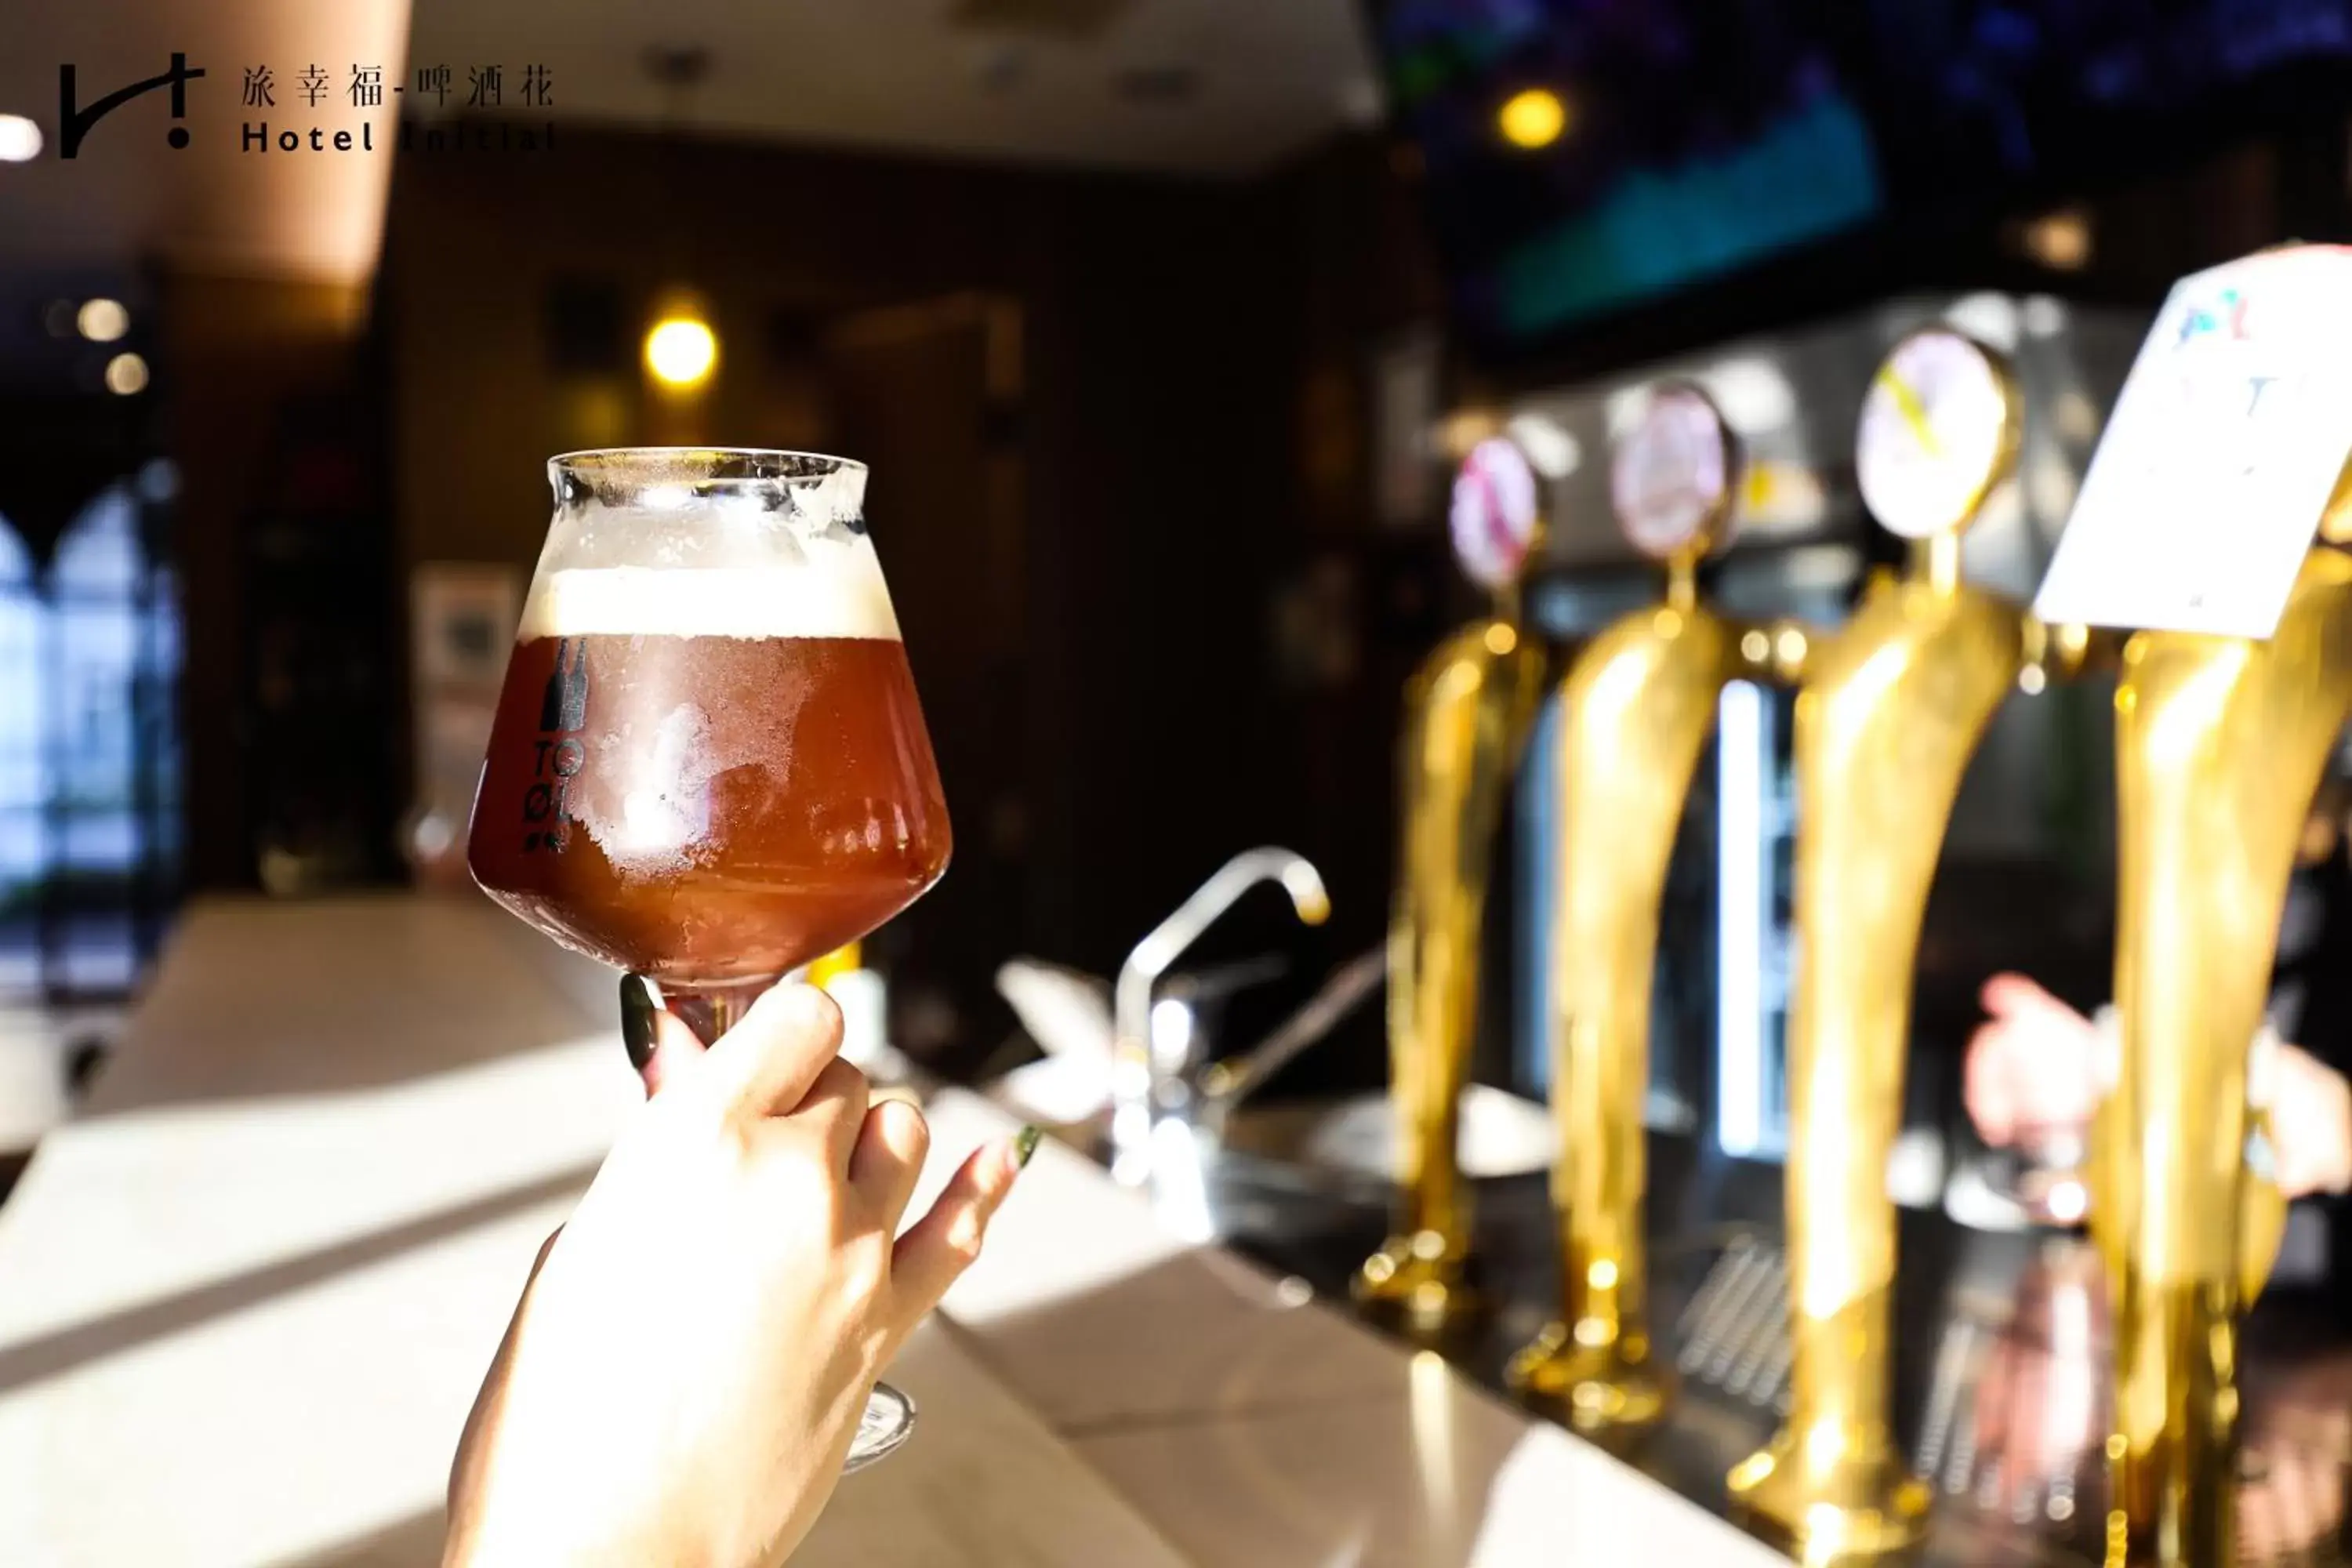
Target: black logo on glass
{"type": "Point", "coordinates": [74, 123]}
{"type": "Point", "coordinates": [563, 712]}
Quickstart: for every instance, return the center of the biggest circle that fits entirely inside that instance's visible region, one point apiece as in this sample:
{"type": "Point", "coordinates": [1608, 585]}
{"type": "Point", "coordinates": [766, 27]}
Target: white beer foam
{"type": "Point", "coordinates": [838, 592]}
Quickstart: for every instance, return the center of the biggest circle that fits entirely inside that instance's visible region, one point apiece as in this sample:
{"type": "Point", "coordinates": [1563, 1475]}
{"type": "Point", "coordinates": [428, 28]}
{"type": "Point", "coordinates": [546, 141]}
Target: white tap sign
{"type": "Point", "coordinates": [2221, 454]}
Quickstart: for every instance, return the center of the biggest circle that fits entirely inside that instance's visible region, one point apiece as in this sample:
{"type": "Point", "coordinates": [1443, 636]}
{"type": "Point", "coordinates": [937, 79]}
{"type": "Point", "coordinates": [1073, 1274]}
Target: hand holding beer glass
{"type": "Point", "coordinates": [708, 764]}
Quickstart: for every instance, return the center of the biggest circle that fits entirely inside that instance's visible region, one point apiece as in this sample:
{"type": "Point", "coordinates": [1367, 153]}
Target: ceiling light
{"type": "Point", "coordinates": [1533, 119]}
{"type": "Point", "coordinates": [102, 320]}
{"type": "Point", "coordinates": [20, 139]}
{"type": "Point", "coordinates": [2062, 241]}
{"type": "Point", "coordinates": [680, 352]}
{"type": "Point", "coordinates": [126, 374]}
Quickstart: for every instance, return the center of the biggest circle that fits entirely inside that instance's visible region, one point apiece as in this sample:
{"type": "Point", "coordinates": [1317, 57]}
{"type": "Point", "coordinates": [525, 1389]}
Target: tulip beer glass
{"type": "Point", "coordinates": [708, 764]}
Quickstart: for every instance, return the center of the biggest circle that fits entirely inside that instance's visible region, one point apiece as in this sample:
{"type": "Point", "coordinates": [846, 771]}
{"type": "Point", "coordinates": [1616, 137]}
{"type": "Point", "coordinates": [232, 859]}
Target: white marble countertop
{"type": "Point", "coordinates": [245, 1296]}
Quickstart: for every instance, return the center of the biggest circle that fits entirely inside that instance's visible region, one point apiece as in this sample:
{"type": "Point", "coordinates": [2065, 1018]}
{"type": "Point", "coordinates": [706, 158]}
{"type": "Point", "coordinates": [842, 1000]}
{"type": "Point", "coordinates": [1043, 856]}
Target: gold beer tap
{"type": "Point", "coordinates": [2220, 743]}
{"type": "Point", "coordinates": [2232, 417]}
{"type": "Point", "coordinates": [1638, 705]}
{"type": "Point", "coordinates": [1890, 709]}
{"type": "Point", "coordinates": [1467, 713]}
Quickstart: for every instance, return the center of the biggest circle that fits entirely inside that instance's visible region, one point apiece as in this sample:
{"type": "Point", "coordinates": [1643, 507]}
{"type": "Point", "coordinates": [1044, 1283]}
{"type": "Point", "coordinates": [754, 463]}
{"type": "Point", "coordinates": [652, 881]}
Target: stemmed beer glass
{"type": "Point", "coordinates": [708, 764]}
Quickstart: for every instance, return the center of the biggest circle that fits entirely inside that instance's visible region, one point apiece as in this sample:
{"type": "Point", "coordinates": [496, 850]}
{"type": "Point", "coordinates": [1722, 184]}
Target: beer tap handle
{"type": "Point", "coordinates": [1891, 707]}
{"type": "Point", "coordinates": [2222, 734]}
{"type": "Point", "coordinates": [1636, 711]}
{"type": "Point", "coordinates": [2220, 742]}
{"type": "Point", "coordinates": [1467, 714]}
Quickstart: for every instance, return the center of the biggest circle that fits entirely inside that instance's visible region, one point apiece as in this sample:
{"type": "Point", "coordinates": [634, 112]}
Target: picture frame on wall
{"type": "Point", "coordinates": [462, 620]}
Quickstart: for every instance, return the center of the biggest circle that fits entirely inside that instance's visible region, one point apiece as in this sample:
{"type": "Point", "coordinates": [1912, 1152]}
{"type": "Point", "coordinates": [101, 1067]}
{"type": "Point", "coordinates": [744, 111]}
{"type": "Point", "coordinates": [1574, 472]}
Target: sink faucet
{"type": "Point", "coordinates": [1149, 1075]}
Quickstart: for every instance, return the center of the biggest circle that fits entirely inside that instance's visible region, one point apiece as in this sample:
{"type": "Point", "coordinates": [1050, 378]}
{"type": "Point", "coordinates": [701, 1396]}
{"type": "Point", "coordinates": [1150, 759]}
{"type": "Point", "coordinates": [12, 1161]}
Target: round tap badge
{"type": "Point", "coordinates": [1939, 431]}
{"type": "Point", "coordinates": [1495, 512]}
{"type": "Point", "coordinates": [1670, 480]}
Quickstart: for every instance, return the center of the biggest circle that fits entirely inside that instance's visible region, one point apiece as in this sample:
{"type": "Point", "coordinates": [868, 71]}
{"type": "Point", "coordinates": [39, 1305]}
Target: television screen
{"type": "Point", "coordinates": [1582, 156]}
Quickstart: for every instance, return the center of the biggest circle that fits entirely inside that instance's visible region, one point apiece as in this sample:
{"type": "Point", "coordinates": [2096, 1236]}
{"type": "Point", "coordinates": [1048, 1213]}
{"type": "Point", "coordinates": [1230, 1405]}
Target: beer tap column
{"type": "Point", "coordinates": [2225, 453]}
{"type": "Point", "coordinates": [2220, 744]}
{"type": "Point", "coordinates": [1636, 709]}
{"type": "Point", "coordinates": [1889, 712]}
{"type": "Point", "coordinates": [1467, 712]}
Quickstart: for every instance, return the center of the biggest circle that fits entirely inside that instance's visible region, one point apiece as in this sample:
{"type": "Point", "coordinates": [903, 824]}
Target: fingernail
{"type": "Point", "coordinates": [1024, 1145]}
{"type": "Point", "coordinates": [637, 1020]}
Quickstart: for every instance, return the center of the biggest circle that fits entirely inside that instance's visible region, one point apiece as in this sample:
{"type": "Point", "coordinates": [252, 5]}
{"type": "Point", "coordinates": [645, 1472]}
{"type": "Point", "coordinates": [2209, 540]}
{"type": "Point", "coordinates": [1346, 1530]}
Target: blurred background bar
{"type": "Point", "coordinates": [1164, 324]}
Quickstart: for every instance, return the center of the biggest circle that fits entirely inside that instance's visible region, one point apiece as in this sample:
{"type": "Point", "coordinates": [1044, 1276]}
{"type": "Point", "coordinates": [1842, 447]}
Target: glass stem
{"type": "Point", "coordinates": [712, 1010]}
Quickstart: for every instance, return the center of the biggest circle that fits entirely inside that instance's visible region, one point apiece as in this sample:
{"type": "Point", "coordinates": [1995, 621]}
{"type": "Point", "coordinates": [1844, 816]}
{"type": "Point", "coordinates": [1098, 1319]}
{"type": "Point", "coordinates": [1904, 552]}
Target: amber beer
{"type": "Point", "coordinates": [706, 809]}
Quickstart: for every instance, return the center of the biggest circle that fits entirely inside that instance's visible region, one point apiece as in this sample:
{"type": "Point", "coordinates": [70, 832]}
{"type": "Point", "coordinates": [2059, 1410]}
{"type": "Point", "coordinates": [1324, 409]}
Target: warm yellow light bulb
{"type": "Point", "coordinates": [126, 374]}
{"type": "Point", "coordinates": [102, 320]}
{"type": "Point", "coordinates": [681, 351]}
{"type": "Point", "coordinates": [1532, 119]}
{"type": "Point", "coordinates": [20, 139]}
{"type": "Point", "coordinates": [2061, 240]}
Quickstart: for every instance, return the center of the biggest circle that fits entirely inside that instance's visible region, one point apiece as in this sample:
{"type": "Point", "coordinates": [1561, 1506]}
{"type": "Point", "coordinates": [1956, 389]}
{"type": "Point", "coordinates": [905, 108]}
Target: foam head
{"type": "Point", "coordinates": [834, 590]}
{"type": "Point", "coordinates": [690, 541]}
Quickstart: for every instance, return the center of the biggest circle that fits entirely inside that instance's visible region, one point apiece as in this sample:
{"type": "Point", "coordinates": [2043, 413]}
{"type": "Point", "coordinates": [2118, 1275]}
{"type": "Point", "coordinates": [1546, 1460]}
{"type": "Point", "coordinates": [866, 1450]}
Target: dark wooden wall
{"type": "Point", "coordinates": [239, 355]}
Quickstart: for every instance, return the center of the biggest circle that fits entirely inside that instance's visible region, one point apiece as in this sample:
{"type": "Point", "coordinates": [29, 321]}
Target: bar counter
{"type": "Point", "coordinates": [246, 1294]}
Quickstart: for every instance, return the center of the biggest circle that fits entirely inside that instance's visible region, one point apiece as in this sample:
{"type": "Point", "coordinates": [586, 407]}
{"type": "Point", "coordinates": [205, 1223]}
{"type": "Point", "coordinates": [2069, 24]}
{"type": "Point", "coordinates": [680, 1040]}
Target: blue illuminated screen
{"type": "Point", "coordinates": [1699, 137]}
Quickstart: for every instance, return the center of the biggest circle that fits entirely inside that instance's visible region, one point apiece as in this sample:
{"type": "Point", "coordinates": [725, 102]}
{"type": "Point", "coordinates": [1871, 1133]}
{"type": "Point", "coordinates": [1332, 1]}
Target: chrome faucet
{"type": "Point", "coordinates": [1150, 1069]}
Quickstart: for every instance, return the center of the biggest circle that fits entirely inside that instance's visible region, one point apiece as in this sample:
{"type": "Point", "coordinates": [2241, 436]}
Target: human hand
{"type": "Point", "coordinates": [686, 1370]}
{"type": "Point", "coordinates": [2032, 1064]}
{"type": "Point", "coordinates": [2311, 1125]}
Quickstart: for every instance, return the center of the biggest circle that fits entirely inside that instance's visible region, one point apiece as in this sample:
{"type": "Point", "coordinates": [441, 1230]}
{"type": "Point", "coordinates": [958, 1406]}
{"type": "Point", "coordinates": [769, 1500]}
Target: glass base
{"type": "Point", "coordinates": [889, 1422]}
